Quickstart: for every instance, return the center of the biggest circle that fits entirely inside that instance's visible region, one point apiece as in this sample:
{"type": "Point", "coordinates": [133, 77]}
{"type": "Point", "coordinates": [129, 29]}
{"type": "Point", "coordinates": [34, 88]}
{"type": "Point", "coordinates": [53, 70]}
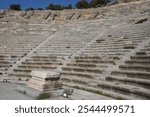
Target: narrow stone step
{"type": "Point", "coordinates": [8, 56]}
{"type": "Point", "coordinates": [145, 49]}
{"type": "Point", "coordinates": [8, 59]}
{"type": "Point", "coordinates": [132, 74]}
{"type": "Point", "coordinates": [141, 53]}
{"type": "Point", "coordinates": [77, 69]}
{"type": "Point", "coordinates": [5, 62]}
{"type": "Point", "coordinates": [95, 61]}
{"type": "Point", "coordinates": [41, 63]}
{"type": "Point", "coordinates": [42, 60]}
{"type": "Point", "coordinates": [3, 69]}
{"type": "Point", "coordinates": [5, 65]}
{"type": "Point", "coordinates": [140, 57]}
{"type": "Point", "coordinates": [129, 47]}
{"type": "Point", "coordinates": [83, 81]}
{"type": "Point", "coordinates": [44, 57]}
{"type": "Point", "coordinates": [129, 81]}
{"type": "Point", "coordinates": [20, 75]}
{"type": "Point", "coordinates": [22, 70]}
{"type": "Point", "coordinates": [135, 68]}
{"type": "Point", "coordinates": [55, 54]}
{"type": "Point", "coordinates": [77, 74]}
{"type": "Point", "coordinates": [106, 50]}
{"type": "Point", "coordinates": [81, 65]}
{"type": "Point", "coordinates": [37, 66]}
{"type": "Point", "coordinates": [13, 51]}
{"type": "Point", "coordinates": [138, 62]}
{"type": "Point", "coordinates": [126, 89]}
{"type": "Point", "coordinates": [30, 69]}
{"type": "Point", "coordinates": [87, 57]}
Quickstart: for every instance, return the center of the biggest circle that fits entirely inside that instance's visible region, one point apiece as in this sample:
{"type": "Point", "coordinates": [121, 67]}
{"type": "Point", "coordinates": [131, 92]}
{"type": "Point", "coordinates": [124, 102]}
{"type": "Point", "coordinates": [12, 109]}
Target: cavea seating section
{"type": "Point", "coordinates": [103, 50]}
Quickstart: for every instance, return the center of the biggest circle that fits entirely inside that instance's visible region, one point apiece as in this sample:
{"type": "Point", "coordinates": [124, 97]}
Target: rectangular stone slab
{"type": "Point", "coordinates": [45, 74]}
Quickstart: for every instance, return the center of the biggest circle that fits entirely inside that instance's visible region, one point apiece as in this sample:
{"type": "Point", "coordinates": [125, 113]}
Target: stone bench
{"type": "Point", "coordinates": [85, 70]}
{"type": "Point", "coordinates": [38, 66]}
{"type": "Point", "coordinates": [121, 88]}
{"type": "Point", "coordinates": [35, 60]}
{"type": "Point", "coordinates": [20, 75]}
{"type": "Point", "coordinates": [81, 65]}
{"type": "Point", "coordinates": [143, 57]}
{"type": "Point", "coordinates": [146, 62]}
{"type": "Point", "coordinates": [132, 74]}
{"type": "Point", "coordinates": [77, 74]}
{"type": "Point", "coordinates": [135, 68]}
{"type": "Point", "coordinates": [129, 81]}
{"type": "Point", "coordinates": [94, 61]}
{"type": "Point", "coordinates": [42, 63]}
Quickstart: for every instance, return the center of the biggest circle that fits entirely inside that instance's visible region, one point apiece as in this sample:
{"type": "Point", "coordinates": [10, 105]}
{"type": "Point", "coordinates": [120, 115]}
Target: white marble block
{"type": "Point", "coordinates": [44, 81]}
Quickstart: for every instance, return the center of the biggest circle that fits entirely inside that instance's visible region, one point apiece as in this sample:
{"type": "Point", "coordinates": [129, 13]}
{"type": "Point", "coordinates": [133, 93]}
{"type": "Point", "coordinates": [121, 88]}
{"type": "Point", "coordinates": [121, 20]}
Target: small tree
{"type": "Point", "coordinates": [55, 7]}
{"type": "Point", "coordinates": [68, 7]}
{"type": "Point", "coordinates": [98, 3]}
{"type": "Point", "coordinates": [58, 7]}
{"type": "Point", "coordinates": [39, 8]}
{"type": "Point", "coordinates": [16, 7]}
{"type": "Point", "coordinates": [30, 9]}
{"type": "Point", "coordinates": [82, 4]}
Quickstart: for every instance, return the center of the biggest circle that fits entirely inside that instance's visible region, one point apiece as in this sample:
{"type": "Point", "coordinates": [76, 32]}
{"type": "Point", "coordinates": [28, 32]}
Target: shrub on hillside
{"type": "Point", "coordinates": [98, 3]}
{"type": "Point", "coordinates": [54, 7]}
{"type": "Point", "coordinates": [58, 7]}
{"type": "Point", "coordinates": [15, 7]}
{"type": "Point", "coordinates": [39, 8]}
{"type": "Point", "coordinates": [82, 4]}
{"type": "Point", "coordinates": [30, 9]}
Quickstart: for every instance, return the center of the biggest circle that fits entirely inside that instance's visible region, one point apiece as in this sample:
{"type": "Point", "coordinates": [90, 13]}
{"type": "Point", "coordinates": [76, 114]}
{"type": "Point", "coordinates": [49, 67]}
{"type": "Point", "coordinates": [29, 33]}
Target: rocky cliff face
{"type": "Point", "coordinates": [46, 16]}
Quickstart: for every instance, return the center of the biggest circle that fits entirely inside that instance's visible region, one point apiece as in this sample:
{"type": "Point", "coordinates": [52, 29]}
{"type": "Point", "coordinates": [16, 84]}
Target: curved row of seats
{"type": "Point", "coordinates": [94, 68]}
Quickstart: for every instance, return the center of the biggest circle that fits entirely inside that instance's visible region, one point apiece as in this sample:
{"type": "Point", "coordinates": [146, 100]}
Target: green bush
{"type": "Point", "coordinates": [82, 4]}
{"type": "Point", "coordinates": [39, 8]}
{"type": "Point", "coordinates": [43, 96]}
{"type": "Point", "coordinates": [54, 7]}
{"type": "Point", "coordinates": [16, 7]}
{"type": "Point", "coordinates": [58, 7]}
{"type": "Point", "coordinates": [30, 9]}
{"type": "Point", "coordinates": [98, 3]}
